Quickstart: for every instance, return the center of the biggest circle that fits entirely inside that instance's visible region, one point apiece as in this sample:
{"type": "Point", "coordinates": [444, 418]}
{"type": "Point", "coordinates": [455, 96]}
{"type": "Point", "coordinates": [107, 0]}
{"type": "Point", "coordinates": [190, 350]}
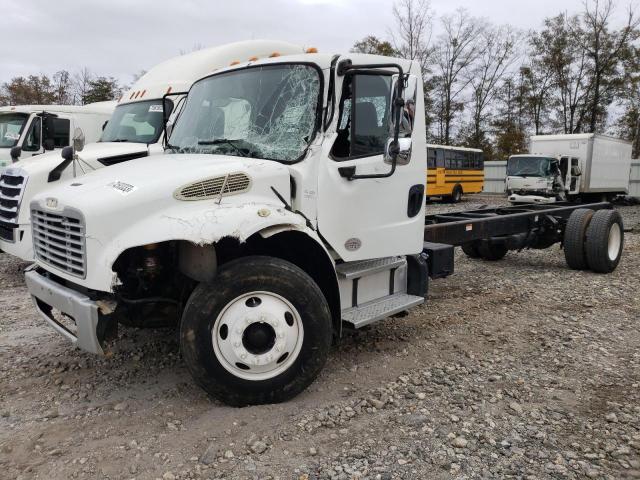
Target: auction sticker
{"type": "Point", "coordinates": [123, 188]}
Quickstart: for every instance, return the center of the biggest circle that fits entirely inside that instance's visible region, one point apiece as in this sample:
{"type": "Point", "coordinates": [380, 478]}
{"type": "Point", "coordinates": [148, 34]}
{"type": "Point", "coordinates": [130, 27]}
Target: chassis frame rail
{"type": "Point", "coordinates": [458, 228]}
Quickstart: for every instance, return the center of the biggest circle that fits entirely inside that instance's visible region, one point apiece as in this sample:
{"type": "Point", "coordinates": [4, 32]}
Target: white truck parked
{"type": "Point", "coordinates": [290, 204]}
{"type": "Point", "coordinates": [569, 167]}
{"type": "Point", "coordinates": [135, 130]}
{"type": "Point", "coordinates": [30, 130]}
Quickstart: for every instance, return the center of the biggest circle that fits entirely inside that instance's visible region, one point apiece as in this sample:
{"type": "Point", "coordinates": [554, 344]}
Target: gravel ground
{"type": "Point", "coordinates": [514, 369]}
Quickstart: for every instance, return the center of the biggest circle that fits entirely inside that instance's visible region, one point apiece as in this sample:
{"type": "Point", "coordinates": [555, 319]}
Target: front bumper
{"type": "Point", "coordinates": [516, 198]}
{"type": "Point", "coordinates": [48, 295]}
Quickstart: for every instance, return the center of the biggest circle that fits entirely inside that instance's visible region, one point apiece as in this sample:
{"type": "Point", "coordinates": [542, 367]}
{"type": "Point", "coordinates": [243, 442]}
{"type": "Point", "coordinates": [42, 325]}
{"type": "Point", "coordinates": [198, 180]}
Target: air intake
{"type": "Point", "coordinates": [214, 187]}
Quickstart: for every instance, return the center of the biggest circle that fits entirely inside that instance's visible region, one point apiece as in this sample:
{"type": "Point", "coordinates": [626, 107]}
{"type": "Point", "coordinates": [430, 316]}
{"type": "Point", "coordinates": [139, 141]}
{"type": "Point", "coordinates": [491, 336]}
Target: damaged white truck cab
{"type": "Point", "coordinates": [135, 130]}
{"type": "Point", "coordinates": [290, 201]}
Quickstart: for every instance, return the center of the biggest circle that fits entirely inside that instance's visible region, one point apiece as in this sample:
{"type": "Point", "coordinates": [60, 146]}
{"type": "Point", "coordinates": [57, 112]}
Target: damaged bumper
{"type": "Point", "coordinates": [516, 198]}
{"type": "Point", "coordinates": [82, 312]}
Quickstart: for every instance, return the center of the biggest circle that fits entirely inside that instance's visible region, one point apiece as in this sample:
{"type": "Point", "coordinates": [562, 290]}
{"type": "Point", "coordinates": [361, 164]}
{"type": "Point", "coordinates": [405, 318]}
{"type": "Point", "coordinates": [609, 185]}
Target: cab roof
{"type": "Point", "coordinates": [98, 107]}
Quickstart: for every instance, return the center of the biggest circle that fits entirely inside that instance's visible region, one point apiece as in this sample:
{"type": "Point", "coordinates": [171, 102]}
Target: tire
{"type": "Point", "coordinates": [220, 333]}
{"type": "Point", "coordinates": [605, 239]}
{"type": "Point", "coordinates": [471, 250]}
{"type": "Point", "coordinates": [574, 238]}
{"type": "Point", "coordinates": [456, 194]}
{"type": "Point", "coordinates": [492, 252]}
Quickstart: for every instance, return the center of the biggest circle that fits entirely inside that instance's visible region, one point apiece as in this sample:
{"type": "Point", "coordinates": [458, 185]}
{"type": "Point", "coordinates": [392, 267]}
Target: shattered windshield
{"type": "Point", "coordinates": [264, 112]}
{"type": "Point", "coordinates": [138, 122]}
{"type": "Point", "coordinates": [528, 166]}
{"type": "Point", "coordinates": [11, 125]}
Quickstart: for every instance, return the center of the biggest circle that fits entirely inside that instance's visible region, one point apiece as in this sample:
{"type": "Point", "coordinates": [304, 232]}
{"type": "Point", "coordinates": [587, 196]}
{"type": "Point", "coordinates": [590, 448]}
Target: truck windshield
{"type": "Point", "coordinates": [138, 122]}
{"type": "Point", "coordinates": [11, 126]}
{"type": "Point", "coordinates": [267, 112]}
{"type": "Point", "coordinates": [528, 166]}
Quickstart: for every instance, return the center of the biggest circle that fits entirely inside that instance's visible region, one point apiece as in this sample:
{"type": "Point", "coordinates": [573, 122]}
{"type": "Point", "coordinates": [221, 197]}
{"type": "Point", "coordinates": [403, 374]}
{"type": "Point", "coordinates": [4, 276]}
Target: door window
{"type": "Point", "coordinates": [61, 128]}
{"type": "Point", "coordinates": [363, 131]}
{"type": "Point", "coordinates": [32, 140]}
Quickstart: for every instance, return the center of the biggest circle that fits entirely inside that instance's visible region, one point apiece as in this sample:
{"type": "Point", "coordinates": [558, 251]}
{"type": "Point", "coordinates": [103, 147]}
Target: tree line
{"type": "Point", "coordinates": [63, 88]}
{"type": "Point", "coordinates": [492, 86]}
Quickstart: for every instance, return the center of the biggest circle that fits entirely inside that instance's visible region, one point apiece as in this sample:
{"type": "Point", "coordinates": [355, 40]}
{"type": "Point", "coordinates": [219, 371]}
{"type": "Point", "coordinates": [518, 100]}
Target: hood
{"type": "Point", "coordinates": [104, 154]}
{"type": "Point", "coordinates": [148, 184]}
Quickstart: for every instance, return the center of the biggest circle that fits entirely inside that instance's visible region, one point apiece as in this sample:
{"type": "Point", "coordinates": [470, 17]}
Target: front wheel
{"type": "Point", "coordinates": [260, 332]}
{"type": "Point", "coordinates": [456, 194]}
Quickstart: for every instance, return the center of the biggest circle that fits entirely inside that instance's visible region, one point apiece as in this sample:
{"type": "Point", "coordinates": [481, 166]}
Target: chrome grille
{"type": "Point", "coordinates": [211, 187]}
{"type": "Point", "coordinates": [59, 241]}
{"type": "Point", "coordinates": [11, 190]}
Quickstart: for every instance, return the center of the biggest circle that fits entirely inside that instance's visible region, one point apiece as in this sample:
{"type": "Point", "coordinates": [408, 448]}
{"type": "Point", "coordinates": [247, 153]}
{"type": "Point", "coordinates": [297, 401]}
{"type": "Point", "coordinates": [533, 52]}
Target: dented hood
{"type": "Point", "coordinates": [134, 189]}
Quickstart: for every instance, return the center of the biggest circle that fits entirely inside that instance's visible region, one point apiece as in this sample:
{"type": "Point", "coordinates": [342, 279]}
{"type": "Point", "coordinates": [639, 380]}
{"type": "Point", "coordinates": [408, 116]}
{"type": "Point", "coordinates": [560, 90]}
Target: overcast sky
{"type": "Point", "coordinates": [121, 37]}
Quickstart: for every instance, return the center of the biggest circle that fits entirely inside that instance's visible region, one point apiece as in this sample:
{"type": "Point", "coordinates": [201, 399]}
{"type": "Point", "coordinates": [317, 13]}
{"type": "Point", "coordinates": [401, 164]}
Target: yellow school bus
{"type": "Point", "coordinates": [452, 171]}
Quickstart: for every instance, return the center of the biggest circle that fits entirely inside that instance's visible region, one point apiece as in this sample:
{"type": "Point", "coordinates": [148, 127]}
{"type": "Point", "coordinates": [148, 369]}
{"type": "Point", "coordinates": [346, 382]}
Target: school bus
{"type": "Point", "coordinates": [452, 171]}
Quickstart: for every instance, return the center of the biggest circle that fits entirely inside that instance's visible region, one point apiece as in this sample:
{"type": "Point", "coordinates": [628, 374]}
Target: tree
{"type": "Point", "coordinates": [81, 84]}
{"type": "Point", "coordinates": [537, 83]}
{"type": "Point", "coordinates": [606, 51]}
{"type": "Point", "coordinates": [34, 89]}
{"type": "Point", "coordinates": [63, 87]}
{"type": "Point", "coordinates": [101, 89]}
{"type": "Point", "coordinates": [510, 136]}
{"type": "Point", "coordinates": [413, 30]}
{"type": "Point", "coordinates": [494, 61]}
{"type": "Point", "coordinates": [458, 47]}
{"type": "Point", "coordinates": [374, 46]}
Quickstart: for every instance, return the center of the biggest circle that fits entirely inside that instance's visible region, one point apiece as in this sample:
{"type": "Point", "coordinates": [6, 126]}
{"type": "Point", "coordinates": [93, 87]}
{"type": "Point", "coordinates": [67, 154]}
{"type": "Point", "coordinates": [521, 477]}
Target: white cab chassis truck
{"type": "Point", "coordinates": [288, 206]}
{"type": "Point", "coordinates": [583, 167]}
{"type": "Point", "coordinates": [135, 130]}
{"type": "Point", "coordinates": [31, 130]}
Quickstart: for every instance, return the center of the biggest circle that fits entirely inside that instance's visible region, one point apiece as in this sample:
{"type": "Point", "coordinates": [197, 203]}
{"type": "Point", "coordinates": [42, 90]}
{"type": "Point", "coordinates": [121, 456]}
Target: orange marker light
{"type": "Point", "coordinates": [311, 50]}
{"type": "Point", "coordinates": [274, 55]}
{"type": "Point", "coordinates": [142, 94]}
{"type": "Point", "coordinates": [132, 94]}
{"type": "Point", "coordinates": [235, 62]}
{"type": "Point", "coordinates": [168, 91]}
{"type": "Point", "coordinates": [253, 59]}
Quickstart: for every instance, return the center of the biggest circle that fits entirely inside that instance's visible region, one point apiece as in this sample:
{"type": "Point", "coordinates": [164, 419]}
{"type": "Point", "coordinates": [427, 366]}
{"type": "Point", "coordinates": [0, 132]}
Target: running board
{"type": "Point", "coordinates": [375, 310]}
{"type": "Point", "coordinates": [351, 270]}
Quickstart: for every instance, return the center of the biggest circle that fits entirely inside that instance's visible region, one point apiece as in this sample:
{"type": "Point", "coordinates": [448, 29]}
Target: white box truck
{"type": "Point", "coordinates": [31, 130]}
{"type": "Point", "coordinates": [289, 205]}
{"type": "Point", "coordinates": [569, 167]}
{"type": "Point", "coordinates": [135, 130]}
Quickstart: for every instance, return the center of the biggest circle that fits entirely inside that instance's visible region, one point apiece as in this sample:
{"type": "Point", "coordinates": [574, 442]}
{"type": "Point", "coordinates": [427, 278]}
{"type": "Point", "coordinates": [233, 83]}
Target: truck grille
{"type": "Point", "coordinates": [11, 190]}
{"type": "Point", "coordinates": [59, 240]}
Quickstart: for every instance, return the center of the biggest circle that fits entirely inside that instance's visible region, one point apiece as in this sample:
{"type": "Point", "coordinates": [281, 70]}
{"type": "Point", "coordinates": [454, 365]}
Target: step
{"type": "Point", "coordinates": [361, 268]}
{"type": "Point", "coordinates": [380, 308]}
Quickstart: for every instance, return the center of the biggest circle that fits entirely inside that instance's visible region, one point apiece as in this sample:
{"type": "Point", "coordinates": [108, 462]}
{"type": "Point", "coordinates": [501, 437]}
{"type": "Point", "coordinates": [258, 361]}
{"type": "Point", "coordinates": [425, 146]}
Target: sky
{"type": "Point", "coordinates": [122, 37]}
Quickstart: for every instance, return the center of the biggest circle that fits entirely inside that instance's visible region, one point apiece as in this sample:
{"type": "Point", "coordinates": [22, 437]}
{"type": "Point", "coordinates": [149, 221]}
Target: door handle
{"type": "Point", "coordinates": [416, 197]}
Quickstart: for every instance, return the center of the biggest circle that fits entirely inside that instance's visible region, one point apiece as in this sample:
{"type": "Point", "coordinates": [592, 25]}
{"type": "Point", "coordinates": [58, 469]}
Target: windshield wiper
{"type": "Point", "coordinates": [120, 140]}
{"type": "Point", "coordinates": [226, 141]}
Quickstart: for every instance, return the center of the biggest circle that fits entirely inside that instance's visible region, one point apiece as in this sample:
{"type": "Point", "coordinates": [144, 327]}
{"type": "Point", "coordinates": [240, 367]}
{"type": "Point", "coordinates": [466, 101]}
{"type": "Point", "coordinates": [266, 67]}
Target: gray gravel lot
{"type": "Point", "coordinates": [515, 369]}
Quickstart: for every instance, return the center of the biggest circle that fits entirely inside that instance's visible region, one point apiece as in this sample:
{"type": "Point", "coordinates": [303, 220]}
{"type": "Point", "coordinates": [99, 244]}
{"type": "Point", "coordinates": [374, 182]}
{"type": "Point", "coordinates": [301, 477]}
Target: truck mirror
{"type": "Point", "coordinates": [16, 152]}
{"type": "Point", "coordinates": [409, 96]}
{"type": "Point", "coordinates": [78, 139]}
{"type": "Point", "coordinates": [400, 151]}
{"type": "Point", "coordinates": [576, 171]}
{"type": "Point", "coordinates": [67, 153]}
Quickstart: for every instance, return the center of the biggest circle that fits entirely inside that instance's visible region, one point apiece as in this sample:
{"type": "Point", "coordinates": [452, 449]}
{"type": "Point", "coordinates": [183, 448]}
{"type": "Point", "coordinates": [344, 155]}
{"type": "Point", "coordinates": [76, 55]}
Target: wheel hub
{"type": "Point", "coordinates": [257, 336]}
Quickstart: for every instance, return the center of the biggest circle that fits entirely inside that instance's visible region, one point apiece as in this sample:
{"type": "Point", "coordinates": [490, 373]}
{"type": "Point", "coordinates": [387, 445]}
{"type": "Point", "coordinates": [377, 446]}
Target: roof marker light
{"type": "Point", "coordinates": [168, 90]}
{"type": "Point", "coordinates": [311, 50]}
{"type": "Point", "coordinates": [253, 59]}
{"type": "Point", "coordinates": [274, 54]}
{"type": "Point", "coordinates": [142, 94]}
{"type": "Point", "coordinates": [235, 62]}
{"type": "Point", "coordinates": [132, 94]}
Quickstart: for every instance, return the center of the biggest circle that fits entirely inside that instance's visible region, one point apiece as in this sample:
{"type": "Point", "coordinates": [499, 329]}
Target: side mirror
{"type": "Point", "coordinates": [409, 97]}
{"type": "Point", "coordinates": [576, 171]}
{"type": "Point", "coordinates": [67, 153]}
{"type": "Point", "coordinates": [49, 144]}
{"type": "Point", "coordinates": [400, 151]}
{"type": "Point", "coordinates": [16, 152]}
{"type": "Point", "coordinates": [78, 139]}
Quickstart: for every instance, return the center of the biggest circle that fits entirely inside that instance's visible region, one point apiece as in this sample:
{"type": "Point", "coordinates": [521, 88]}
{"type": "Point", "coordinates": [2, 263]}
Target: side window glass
{"type": "Point", "coordinates": [32, 140]}
{"type": "Point", "coordinates": [363, 126]}
{"type": "Point", "coordinates": [61, 132]}
{"type": "Point", "coordinates": [449, 161]}
{"type": "Point", "coordinates": [440, 158]}
{"type": "Point", "coordinates": [431, 158]}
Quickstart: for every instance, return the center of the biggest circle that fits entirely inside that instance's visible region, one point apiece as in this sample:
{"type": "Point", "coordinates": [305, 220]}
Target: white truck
{"type": "Point", "coordinates": [30, 130]}
{"type": "Point", "coordinates": [135, 130]}
{"type": "Point", "coordinates": [569, 167]}
{"type": "Point", "coordinates": [290, 204]}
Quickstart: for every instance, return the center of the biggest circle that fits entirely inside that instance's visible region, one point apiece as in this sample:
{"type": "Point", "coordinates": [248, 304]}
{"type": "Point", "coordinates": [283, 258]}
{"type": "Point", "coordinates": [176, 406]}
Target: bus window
{"type": "Point", "coordinates": [440, 162]}
{"type": "Point", "coordinates": [431, 158]}
{"type": "Point", "coordinates": [449, 159]}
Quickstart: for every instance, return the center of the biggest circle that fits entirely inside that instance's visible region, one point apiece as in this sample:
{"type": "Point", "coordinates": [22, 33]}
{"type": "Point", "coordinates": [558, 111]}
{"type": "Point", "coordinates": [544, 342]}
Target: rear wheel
{"type": "Point", "coordinates": [259, 333]}
{"type": "Point", "coordinates": [471, 250]}
{"type": "Point", "coordinates": [605, 239]}
{"type": "Point", "coordinates": [492, 252]}
{"type": "Point", "coordinates": [574, 238]}
{"type": "Point", "coordinates": [456, 194]}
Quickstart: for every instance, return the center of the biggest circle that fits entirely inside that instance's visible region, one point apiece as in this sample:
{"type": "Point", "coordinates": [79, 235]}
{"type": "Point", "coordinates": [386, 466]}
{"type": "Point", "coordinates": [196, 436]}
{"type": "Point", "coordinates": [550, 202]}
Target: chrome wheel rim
{"type": "Point", "coordinates": [257, 336]}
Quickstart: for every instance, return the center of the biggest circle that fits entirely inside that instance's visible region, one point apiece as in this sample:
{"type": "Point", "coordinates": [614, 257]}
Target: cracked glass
{"type": "Point", "coordinates": [267, 112]}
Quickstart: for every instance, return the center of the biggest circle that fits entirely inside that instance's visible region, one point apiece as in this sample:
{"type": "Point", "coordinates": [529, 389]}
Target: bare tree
{"type": "Point", "coordinates": [456, 50]}
{"type": "Point", "coordinates": [411, 35]}
{"type": "Point", "coordinates": [81, 84]}
{"type": "Point", "coordinates": [496, 57]}
{"type": "Point", "coordinates": [63, 87]}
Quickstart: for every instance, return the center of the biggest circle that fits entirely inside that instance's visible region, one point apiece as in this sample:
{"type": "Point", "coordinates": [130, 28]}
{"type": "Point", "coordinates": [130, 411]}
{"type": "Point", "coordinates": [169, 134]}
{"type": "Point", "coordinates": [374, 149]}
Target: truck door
{"type": "Point", "coordinates": [32, 137]}
{"type": "Point", "coordinates": [365, 218]}
{"type": "Point", "coordinates": [441, 177]}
